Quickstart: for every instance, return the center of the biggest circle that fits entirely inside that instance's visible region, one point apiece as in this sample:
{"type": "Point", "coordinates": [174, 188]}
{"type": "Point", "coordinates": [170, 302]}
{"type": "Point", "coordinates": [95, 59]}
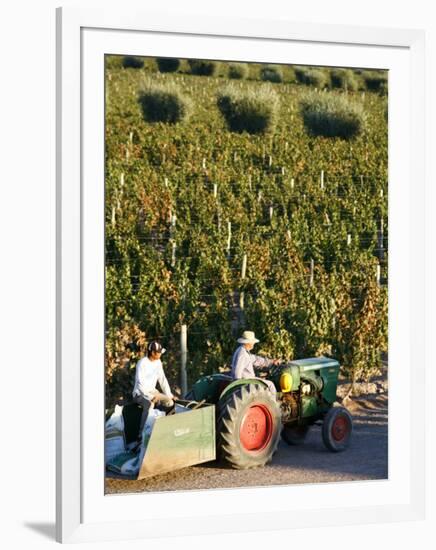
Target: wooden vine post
{"type": "Point", "coordinates": [243, 273]}
{"type": "Point", "coordinates": [183, 357]}
{"type": "Point", "coordinates": [380, 241]}
{"type": "Point", "coordinates": [173, 254]}
{"type": "Point", "coordinates": [229, 237]}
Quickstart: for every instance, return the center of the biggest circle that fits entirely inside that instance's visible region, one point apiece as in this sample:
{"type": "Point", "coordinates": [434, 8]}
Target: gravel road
{"type": "Point", "coordinates": [366, 458]}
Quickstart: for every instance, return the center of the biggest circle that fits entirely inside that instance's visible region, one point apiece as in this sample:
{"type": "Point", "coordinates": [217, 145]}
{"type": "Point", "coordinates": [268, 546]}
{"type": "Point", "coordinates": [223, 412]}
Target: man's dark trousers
{"type": "Point", "coordinates": [162, 402]}
{"type": "Point", "coordinates": [145, 404]}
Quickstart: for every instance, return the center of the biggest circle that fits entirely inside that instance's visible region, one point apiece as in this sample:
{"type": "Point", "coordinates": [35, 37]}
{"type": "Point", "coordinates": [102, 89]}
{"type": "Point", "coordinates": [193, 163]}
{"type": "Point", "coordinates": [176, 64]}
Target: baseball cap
{"type": "Point", "coordinates": [156, 346]}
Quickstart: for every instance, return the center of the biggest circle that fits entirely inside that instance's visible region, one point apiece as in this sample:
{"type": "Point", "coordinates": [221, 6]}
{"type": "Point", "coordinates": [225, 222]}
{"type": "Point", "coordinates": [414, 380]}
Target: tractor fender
{"type": "Point", "coordinates": [238, 383]}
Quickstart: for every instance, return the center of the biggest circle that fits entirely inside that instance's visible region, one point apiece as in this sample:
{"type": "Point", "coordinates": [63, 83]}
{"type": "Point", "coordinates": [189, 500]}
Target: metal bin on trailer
{"type": "Point", "coordinates": [176, 441]}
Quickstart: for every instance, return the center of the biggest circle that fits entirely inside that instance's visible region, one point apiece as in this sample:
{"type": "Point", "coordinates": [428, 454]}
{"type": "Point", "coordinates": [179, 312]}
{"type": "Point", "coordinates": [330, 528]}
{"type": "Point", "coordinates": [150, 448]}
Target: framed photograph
{"type": "Point", "coordinates": [239, 300]}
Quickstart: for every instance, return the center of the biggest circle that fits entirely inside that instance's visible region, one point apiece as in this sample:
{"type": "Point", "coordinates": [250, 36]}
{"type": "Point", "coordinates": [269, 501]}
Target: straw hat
{"type": "Point", "coordinates": [248, 338]}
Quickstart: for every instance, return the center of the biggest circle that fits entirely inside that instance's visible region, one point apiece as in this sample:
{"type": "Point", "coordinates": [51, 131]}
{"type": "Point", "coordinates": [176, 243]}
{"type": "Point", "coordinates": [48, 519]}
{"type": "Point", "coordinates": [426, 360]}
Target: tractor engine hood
{"type": "Point", "coordinates": [314, 363]}
{"type": "Point", "coordinates": [316, 370]}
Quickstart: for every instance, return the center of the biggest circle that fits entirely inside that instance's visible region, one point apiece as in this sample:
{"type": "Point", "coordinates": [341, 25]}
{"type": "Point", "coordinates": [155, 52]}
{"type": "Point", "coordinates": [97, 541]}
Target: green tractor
{"type": "Point", "coordinates": [251, 419]}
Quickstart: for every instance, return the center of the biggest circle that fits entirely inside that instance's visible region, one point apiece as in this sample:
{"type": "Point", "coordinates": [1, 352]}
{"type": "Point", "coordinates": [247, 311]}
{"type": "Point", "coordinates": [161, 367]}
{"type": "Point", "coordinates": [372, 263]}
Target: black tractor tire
{"type": "Point", "coordinates": [248, 427]}
{"type": "Point", "coordinates": [337, 429]}
{"type": "Point", "coordinates": [294, 435]}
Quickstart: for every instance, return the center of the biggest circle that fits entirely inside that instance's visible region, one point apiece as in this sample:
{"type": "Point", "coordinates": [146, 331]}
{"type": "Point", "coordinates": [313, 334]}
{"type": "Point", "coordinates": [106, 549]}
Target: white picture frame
{"type": "Point", "coordinates": [83, 512]}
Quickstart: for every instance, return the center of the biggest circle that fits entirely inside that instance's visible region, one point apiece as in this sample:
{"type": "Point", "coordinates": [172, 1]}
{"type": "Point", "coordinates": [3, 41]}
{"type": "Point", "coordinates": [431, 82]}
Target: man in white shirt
{"type": "Point", "coordinates": [149, 372]}
{"type": "Point", "coordinates": [244, 362]}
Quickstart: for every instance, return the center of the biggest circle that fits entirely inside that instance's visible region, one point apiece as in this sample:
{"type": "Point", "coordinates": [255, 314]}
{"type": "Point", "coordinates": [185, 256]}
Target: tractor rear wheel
{"type": "Point", "coordinates": [294, 435]}
{"type": "Point", "coordinates": [248, 428]}
{"type": "Point", "coordinates": [337, 428]}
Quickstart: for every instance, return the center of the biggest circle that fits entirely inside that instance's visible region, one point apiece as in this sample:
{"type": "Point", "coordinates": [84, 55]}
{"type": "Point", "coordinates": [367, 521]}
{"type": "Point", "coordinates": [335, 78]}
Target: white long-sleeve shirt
{"type": "Point", "coordinates": [243, 363]}
{"type": "Point", "coordinates": [148, 374]}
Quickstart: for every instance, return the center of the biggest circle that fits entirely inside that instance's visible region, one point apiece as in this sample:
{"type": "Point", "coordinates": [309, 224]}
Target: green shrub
{"type": "Point", "coordinates": [300, 73]}
{"type": "Point", "coordinates": [376, 81]}
{"type": "Point", "coordinates": [163, 103]}
{"type": "Point", "coordinates": [332, 116]}
{"type": "Point", "coordinates": [311, 77]}
{"type": "Point", "coordinates": [130, 62]}
{"type": "Point", "coordinates": [113, 61]}
{"type": "Point", "coordinates": [238, 70]}
{"type": "Point", "coordinates": [167, 64]}
{"type": "Point", "coordinates": [252, 111]}
{"type": "Point", "coordinates": [289, 74]}
{"type": "Point", "coordinates": [202, 67]}
{"type": "Point", "coordinates": [344, 79]}
{"type": "Point", "coordinates": [271, 74]}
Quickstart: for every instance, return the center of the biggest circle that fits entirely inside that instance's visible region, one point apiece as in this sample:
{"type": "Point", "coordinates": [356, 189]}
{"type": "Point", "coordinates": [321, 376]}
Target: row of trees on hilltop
{"type": "Point", "coordinates": [350, 80]}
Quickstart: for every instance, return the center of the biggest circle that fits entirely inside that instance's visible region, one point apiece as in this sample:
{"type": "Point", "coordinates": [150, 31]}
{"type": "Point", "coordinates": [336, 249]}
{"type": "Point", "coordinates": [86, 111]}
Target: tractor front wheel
{"type": "Point", "coordinates": [337, 428]}
{"type": "Point", "coordinates": [248, 427]}
{"type": "Point", "coordinates": [294, 435]}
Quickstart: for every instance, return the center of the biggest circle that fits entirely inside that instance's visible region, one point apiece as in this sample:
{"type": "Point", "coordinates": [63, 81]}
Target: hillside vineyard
{"type": "Point", "coordinates": [283, 231]}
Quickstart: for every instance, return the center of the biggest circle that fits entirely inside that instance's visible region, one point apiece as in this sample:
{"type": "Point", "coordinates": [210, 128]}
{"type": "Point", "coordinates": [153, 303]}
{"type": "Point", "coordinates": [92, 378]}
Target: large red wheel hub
{"type": "Point", "coordinates": [256, 428]}
{"type": "Point", "coordinates": [340, 428]}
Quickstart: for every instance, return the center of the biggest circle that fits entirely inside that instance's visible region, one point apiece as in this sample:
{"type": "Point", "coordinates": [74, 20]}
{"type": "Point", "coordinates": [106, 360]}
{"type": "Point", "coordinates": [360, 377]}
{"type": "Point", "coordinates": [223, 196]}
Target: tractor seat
{"type": "Point", "coordinates": [224, 382]}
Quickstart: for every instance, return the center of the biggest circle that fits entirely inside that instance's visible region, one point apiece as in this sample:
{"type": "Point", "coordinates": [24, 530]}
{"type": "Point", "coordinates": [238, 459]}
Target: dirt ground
{"type": "Point", "coordinates": [311, 462]}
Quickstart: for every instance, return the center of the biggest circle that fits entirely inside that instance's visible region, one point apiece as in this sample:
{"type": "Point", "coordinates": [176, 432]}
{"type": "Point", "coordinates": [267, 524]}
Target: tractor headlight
{"type": "Point", "coordinates": [286, 382]}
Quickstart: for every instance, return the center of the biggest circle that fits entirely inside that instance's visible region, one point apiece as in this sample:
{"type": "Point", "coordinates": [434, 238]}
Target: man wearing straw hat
{"type": "Point", "coordinates": [244, 362]}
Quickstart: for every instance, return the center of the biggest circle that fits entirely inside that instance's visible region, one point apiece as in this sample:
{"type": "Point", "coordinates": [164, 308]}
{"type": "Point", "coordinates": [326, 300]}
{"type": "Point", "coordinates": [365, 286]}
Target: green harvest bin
{"type": "Point", "coordinates": [176, 441]}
